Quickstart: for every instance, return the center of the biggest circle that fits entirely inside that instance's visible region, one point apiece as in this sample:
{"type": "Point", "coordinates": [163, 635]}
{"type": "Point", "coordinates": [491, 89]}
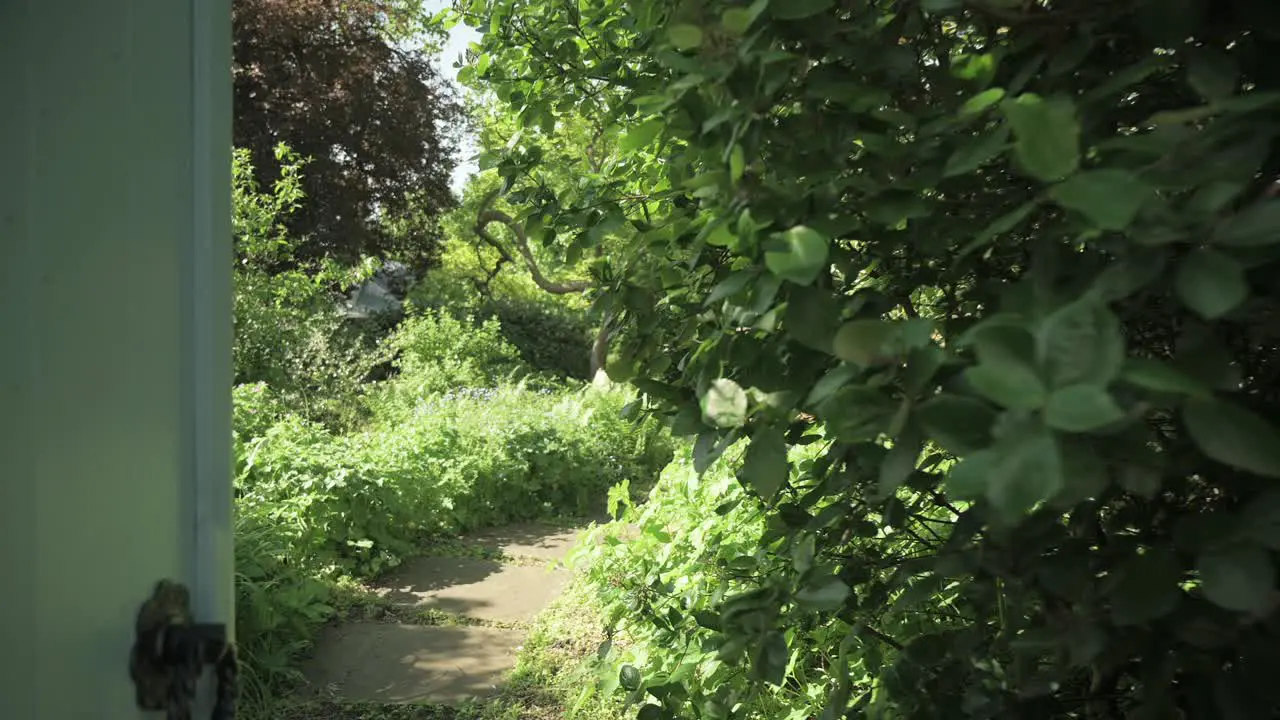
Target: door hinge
{"type": "Point", "coordinates": [170, 652]}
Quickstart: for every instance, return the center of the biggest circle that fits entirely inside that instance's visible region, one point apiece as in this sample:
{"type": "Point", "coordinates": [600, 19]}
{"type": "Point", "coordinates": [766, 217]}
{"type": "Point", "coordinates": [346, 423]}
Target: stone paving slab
{"type": "Point", "coordinates": [481, 589]}
{"type": "Point", "coordinates": [531, 540]}
{"type": "Point", "coordinates": [391, 663]}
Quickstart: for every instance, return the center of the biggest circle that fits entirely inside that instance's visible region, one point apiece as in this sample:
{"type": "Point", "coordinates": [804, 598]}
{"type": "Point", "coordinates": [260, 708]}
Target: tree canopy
{"type": "Point", "coordinates": [987, 291]}
{"type": "Point", "coordinates": [336, 81]}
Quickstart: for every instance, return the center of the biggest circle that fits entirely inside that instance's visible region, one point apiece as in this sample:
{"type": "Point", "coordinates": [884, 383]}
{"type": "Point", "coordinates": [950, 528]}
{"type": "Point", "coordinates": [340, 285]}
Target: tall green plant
{"type": "Point", "coordinates": [287, 330]}
{"type": "Point", "coordinates": [1016, 259]}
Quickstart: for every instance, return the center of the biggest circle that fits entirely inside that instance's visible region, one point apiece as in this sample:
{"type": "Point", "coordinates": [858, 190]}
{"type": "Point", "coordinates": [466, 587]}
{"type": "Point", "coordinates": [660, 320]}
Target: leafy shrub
{"type": "Point", "coordinates": [437, 351]}
{"type": "Point", "coordinates": [288, 333]}
{"type": "Point", "coordinates": [1018, 259]}
{"type": "Point", "coordinates": [315, 505]}
{"type": "Point", "coordinates": [549, 338]}
{"type": "Point", "coordinates": [255, 408]}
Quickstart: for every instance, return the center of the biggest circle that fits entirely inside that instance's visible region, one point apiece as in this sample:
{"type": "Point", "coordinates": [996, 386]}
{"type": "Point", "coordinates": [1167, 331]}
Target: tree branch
{"type": "Point", "coordinates": [488, 215]}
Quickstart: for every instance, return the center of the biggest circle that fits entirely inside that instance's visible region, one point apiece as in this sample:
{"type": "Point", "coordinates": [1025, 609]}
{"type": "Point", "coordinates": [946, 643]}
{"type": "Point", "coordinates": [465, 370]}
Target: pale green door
{"type": "Point", "coordinates": [115, 331]}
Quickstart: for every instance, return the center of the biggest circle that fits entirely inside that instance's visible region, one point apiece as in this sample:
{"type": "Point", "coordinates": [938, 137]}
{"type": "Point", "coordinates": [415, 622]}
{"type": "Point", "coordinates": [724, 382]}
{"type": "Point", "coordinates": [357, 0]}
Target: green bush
{"type": "Point", "coordinates": [315, 505]}
{"type": "Point", "coordinates": [549, 338]}
{"type": "Point", "coordinates": [288, 333]}
{"type": "Point", "coordinates": [1019, 259]}
{"type": "Point", "coordinates": [698, 547]}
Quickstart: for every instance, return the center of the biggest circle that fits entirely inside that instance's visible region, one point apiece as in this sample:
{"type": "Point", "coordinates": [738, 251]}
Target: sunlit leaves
{"type": "Point", "coordinates": [865, 342]}
{"type": "Point", "coordinates": [640, 136]}
{"type": "Point", "coordinates": [982, 101]}
{"type": "Point", "coordinates": [964, 255]}
{"type": "Point", "coordinates": [737, 20]}
{"type": "Point", "coordinates": [725, 404]}
{"type": "Point", "coordinates": [684, 36]}
{"type": "Point", "coordinates": [798, 255]}
{"type": "Point", "coordinates": [1047, 135]}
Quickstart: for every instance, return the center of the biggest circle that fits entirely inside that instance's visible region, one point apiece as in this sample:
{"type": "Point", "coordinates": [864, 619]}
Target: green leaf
{"type": "Point", "coordinates": [969, 478]}
{"type": "Point", "coordinates": [1001, 225]}
{"type": "Point", "coordinates": [1212, 73]}
{"type": "Point", "coordinates": [1081, 342]}
{"type": "Point", "coordinates": [981, 101]}
{"type": "Point", "coordinates": [737, 163]}
{"type": "Point", "coordinates": [1261, 519]}
{"type": "Point", "coordinates": [765, 465]}
{"type": "Point", "coordinates": [652, 712]}
{"type": "Point", "coordinates": [629, 677]}
{"type": "Point", "coordinates": [736, 21]}
{"type": "Point", "coordinates": [1084, 474]}
{"type": "Point", "coordinates": [798, 9]}
{"type": "Point", "coordinates": [1256, 226]}
{"type": "Point", "coordinates": [725, 404]}
{"type": "Point", "coordinates": [898, 465]}
{"type": "Point", "coordinates": [802, 256]}
{"type": "Point", "coordinates": [812, 317]}
{"type": "Point", "coordinates": [1210, 283]}
{"type": "Point", "coordinates": [803, 553]}
{"type": "Point", "coordinates": [769, 659]}
{"type": "Point", "coordinates": [975, 152]}
{"type": "Point", "coordinates": [1081, 408]}
{"type": "Point", "coordinates": [1010, 384]}
{"type": "Point", "coordinates": [961, 425]}
{"type": "Point", "coordinates": [858, 413]}
{"type": "Point", "coordinates": [1109, 198]}
{"type": "Point", "coordinates": [823, 595]}
{"type": "Point", "coordinates": [1026, 470]}
{"type": "Point", "coordinates": [1047, 135]}
{"type": "Point", "coordinates": [685, 36]}
{"type": "Point", "coordinates": [1237, 577]}
{"type": "Point", "coordinates": [640, 136]}
{"type": "Point", "coordinates": [1161, 377]}
{"type": "Point", "coordinates": [865, 342]}
{"type": "Point", "coordinates": [1233, 436]}
{"type": "Point", "coordinates": [1147, 588]}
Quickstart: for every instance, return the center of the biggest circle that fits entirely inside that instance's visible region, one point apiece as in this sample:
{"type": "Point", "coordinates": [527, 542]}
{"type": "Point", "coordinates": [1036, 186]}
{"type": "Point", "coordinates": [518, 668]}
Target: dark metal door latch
{"type": "Point", "coordinates": [170, 652]}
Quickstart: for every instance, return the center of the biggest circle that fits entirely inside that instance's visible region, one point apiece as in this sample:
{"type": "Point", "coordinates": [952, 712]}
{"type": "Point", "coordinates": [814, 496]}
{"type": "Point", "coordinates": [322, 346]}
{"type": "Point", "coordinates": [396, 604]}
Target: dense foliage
{"type": "Point", "coordinates": [333, 79]}
{"type": "Point", "coordinates": [1006, 270]}
{"type": "Point", "coordinates": [339, 477]}
{"type": "Point", "coordinates": [288, 332]}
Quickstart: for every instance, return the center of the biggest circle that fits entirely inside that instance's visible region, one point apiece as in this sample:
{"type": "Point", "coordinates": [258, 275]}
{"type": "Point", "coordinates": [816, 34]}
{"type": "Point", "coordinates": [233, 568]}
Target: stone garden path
{"type": "Point", "coordinates": [450, 626]}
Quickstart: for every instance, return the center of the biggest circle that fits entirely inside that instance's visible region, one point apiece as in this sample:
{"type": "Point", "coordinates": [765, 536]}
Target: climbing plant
{"type": "Point", "coordinates": [1009, 266]}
